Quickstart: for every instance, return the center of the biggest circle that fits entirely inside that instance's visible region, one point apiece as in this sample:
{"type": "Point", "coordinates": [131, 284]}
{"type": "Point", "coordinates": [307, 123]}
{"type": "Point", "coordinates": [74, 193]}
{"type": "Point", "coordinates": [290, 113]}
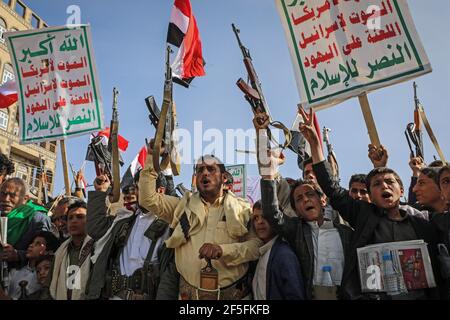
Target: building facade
{"type": "Point", "coordinates": [14, 16]}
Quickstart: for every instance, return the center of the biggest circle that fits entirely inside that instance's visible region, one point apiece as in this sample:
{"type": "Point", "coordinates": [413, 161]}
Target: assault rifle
{"type": "Point", "coordinates": [254, 94]}
{"type": "Point", "coordinates": [43, 178]}
{"type": "Point", "coordinates": [413, 131]}
{"type": "Point", "coordinates": [165, 123]}
{"type": "Point", "coordinates": [113, 147]}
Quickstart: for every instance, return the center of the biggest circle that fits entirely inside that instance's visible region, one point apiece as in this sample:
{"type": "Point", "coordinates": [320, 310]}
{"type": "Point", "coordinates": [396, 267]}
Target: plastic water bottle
{"type": "Point", "coordinates": [327, 281]}
{"type": "Point", "coordinates": [393, 287]}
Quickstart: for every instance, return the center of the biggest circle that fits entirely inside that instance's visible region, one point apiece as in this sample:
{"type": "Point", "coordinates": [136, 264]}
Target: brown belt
{"type": "Point", "coordinates": [236, 291]}
{"type": "Point", "coordinates": [131, 295]}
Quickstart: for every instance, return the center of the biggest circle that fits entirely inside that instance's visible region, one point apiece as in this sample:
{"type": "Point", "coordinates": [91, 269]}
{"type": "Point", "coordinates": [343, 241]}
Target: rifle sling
{"type": "Point", "coordinates": [175, 162]}
{"type": "Point", "coordinates": [431, 133]}
{"type": "Point", "coordinates": [286, 131]}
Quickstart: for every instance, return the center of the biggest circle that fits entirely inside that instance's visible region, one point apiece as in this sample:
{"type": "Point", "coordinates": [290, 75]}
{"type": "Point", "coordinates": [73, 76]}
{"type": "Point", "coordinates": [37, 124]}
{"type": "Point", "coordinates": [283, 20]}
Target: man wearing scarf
{"type": "Point", "coordinates": [72, 263]}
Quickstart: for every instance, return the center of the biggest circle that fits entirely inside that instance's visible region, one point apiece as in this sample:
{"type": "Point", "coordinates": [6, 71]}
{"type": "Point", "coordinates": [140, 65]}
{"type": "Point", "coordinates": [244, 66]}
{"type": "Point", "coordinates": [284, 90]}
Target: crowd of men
{"type": "Point", "coordinates": [299, 242]}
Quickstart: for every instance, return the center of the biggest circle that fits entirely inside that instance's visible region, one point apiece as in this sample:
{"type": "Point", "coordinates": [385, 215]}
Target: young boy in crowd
{"type": "Point", "coordinates": [378, 222]}
{"type": "Point", "coordinates": [319, 242]}
{"type": "Point", "coordinates": [43, 269]}
{"type": "Point", "coordinates": [277, 275]}
{"type": "Point", "coordinates": [357, 187]}
{"type": "Point", "coordinates": [43, 243]}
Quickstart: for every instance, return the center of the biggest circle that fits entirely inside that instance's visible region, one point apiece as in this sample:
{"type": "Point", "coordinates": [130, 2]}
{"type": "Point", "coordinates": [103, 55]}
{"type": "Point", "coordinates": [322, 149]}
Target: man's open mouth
{"type": "Point", "coordinates": [308, 208]}
{"type": "Point", "coordinates": [386, 195]}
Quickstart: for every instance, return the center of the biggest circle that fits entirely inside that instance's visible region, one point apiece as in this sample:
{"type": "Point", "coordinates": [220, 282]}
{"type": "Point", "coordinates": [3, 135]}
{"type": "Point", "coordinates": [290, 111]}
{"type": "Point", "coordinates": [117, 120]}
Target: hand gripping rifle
{"type": "Point", "coordinates": [165, 122]}
{"type": "Point", "coordinates": [113, 147]}
{"type": "Point", "coordinates": [254, 95]}
{"type": "Point", "coordinates": [331, 155]}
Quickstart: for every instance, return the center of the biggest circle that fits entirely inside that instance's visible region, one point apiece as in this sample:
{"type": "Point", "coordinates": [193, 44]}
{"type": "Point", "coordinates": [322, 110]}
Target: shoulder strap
{"type": "Point", "coordinates": [87, 249]}
{"type": "Point", "coordinates": [154, 232]}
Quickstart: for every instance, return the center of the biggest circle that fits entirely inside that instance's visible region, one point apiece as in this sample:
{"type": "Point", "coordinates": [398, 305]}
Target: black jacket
{"type": "Point", "coordinates": [97, 225]}
{"type": "Point", "coordinates": [442, 224]}
{"type": "Point", "coordinates": [297, 233]}
{"type": "Point", "coordinates": [364, 218]}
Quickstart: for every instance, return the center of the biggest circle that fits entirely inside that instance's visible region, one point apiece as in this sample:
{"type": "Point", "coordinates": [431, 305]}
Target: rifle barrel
{"type": "Point", "coordinates": [244, 50]}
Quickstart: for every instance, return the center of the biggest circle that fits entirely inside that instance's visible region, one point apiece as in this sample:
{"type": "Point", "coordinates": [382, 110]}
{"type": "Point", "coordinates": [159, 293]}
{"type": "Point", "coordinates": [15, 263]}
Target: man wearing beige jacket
{"type": "Point", "coordinates": [209, 224]}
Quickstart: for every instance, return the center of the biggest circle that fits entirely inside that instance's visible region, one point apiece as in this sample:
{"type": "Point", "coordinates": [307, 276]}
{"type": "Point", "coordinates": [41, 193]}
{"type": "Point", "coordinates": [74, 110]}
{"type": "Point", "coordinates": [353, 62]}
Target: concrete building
{"type": "Point", "coordinates": [15, 15]}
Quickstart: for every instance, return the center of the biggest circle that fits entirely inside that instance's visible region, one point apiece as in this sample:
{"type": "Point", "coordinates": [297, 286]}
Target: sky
{"type": "Point", "coordinates": [129, 44]}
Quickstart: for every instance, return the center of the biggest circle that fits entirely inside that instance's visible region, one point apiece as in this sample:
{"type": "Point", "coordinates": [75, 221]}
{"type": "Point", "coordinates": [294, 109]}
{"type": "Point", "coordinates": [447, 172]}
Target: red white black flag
{"type": "Point", "coordinates": [183, 34]}
{"type": "Point", "coordinates": [136, 165]}
{"type": "Point", "coordinates": [8, 94]}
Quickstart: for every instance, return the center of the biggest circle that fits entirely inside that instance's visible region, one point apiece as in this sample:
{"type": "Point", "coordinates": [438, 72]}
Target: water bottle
{"type": "Point", "coordinates": [392, 285]}
{"type": "Point", "coordinates": [327, 281]}
{"type": "Point", "coordinates": [23, 290]}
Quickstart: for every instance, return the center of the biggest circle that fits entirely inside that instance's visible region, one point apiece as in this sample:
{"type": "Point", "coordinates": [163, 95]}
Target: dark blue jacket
{"type": "Point", "coordinates": [39, 222]}
{"type": "Point", "coordinates": [284, 279]}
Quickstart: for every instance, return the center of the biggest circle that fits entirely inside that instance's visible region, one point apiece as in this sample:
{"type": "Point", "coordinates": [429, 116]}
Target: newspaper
{"type": "Point", "coordinates": [3, 230]}
{"type": "Point", "coordinates": [395, 267]}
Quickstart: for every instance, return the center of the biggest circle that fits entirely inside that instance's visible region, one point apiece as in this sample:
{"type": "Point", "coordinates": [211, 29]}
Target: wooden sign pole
{"type": "Point", "coordinates": [65, 167]}
{"type": "Point", "coordinates": [370, 123]}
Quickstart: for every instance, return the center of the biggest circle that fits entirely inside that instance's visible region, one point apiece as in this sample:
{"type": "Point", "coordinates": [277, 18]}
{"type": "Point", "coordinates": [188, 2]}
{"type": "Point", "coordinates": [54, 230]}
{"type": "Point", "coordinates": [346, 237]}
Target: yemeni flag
{"type": "Point", "coordinates": [122, 142]}
{"type": "Point", "coordinates": [136, 165]}
{"type": "Point", "coordinates": [8, 94]}
{"type": "Point", "coordinates": [183, 34]}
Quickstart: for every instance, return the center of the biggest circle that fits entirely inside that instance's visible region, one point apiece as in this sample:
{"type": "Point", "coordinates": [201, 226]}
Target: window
{"type": "Point", "coordinates": [20, 9]}
{"type": "Point", "coordinates": [6, 2]}
{"type": "Point", "coordinates": [16, 131]}
{"type": "Point", "coordinates": [53, 146]}
{"type": "Point", "coordinates": [8, 73]}
{"type": "Point", "coordinates": [21, 172]}
{"type": "Point", "coordinates": [34, 21]}
{"type": "Point", "coordinates": [43, 144]}
{"type": "Point", "coordinates": [3, 29]}
{"type": "Point", "coordinates": [35, 174]}
{"type": "Point", "coordinates": [3, 120]}
{"type": "Point", "coordinates": [49, 178]}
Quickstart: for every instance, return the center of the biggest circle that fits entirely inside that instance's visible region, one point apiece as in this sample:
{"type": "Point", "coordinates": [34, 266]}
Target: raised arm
{"type": "Point", "coordinates": [160, 204]}
{"type": "Point", "coordinates": [339, 197]}
{"type": "Point", "coordinates": [268, 162]}
{"type": "Point", "coordinates": [97, 219]}
{"type": "Point", "coordinates": [416, 164]}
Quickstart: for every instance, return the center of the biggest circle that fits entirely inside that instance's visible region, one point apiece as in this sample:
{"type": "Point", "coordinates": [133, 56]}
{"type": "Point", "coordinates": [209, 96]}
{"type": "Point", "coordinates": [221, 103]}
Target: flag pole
{"type": "Point", "coordinates": [370, 123]}
{"type": "Point", "coordinates": [65, 167]}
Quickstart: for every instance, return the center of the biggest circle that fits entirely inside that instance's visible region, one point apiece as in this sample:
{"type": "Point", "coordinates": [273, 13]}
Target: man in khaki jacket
{"type": "Point", "coordinates": [209, 224]}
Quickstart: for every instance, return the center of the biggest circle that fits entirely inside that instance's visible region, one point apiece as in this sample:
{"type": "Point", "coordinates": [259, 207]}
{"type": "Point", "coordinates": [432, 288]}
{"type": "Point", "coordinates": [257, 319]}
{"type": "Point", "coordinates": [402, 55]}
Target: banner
{"type": "Point", "coordinates": [239, 179]}
{"type": "Point", "coordinates": [59, 95]}
{"type": "Point", "coordinates": [253, 189]}
{"type": "Point", "coordinates": [341, 49]}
